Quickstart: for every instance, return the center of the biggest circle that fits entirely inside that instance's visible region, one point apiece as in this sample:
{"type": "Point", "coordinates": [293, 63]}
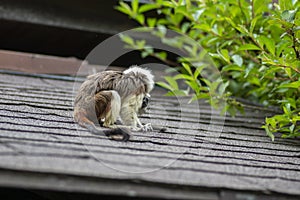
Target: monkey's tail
{"type": "Point", "coordinates": [119, 133]}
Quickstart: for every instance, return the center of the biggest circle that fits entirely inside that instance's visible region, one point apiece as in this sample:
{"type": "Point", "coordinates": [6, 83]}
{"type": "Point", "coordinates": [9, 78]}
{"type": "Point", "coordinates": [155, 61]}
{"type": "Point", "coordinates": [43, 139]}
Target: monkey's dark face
{"type": "Point", "coordinates": [145, 103]}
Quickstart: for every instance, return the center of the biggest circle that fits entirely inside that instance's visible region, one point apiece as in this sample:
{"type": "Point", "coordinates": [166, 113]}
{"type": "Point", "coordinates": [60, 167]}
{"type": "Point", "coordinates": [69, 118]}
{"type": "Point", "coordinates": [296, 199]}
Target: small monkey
{"type": "Point", "coordinates": [111, 97]}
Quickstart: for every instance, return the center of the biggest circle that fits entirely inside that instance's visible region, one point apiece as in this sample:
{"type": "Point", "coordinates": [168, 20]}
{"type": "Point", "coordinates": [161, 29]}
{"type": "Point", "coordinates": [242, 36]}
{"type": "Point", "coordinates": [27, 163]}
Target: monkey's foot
{"type": "Point", "coordinates": [147, 127]}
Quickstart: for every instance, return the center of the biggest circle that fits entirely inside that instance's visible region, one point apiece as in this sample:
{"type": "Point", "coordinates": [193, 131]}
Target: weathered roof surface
{"type": "Point", "coordinates": [197, 158]}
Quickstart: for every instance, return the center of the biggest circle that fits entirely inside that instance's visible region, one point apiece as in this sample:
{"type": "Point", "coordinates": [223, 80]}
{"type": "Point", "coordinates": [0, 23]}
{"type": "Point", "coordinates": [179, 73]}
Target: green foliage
{"type": "Point", "coordinates": [255, 44]}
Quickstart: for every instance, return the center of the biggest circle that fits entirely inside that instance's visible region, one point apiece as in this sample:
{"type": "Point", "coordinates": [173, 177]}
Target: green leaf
{"type": "Point", "coordinates": [172, 82]}
{"type": "Point", "coordinates": [259, 6]}
{"type": "Point", "coordinates": [124, 8]}
{"type": "Point", "coordinates": [183, 10]}
{"type": "Point", "coordinates": [177, 93]}
{"type": "Point", "coordinates": [269, 43]}
{"type": "Point", "coordinates": [281, 46]}
{"type": "Point", "coordinates": [161, 55]}
{"type": "Point", "coordinates": [287, 108]}
{"type": "Point", "coordinates": [140, 44]}
{"type": "Point", "coordinates": [288, 71]}
{"type": "Point", "coordinates": [295, 84]}
{"type": "Point", "coordinates": [222, 87]}
{"type": "Point", "coordinates": [248, 47]}
{"type": "Point", "coordinates": [148, 49]}
{"type": "Point", "coordinates": [225, 55]}
{"type": "Point", "coordinates": [292, 102]}
{"type": "Point", "coordinates": [202, 26]}
{"type": "Point", "coordinates": [254, 80]}
{"type": "Point", "coordinates": [197, 14]}
{"type": "Point", "coordinates": [233, 24]}
{"type": "Point", "coordinates": [237, 59]}
{"type": "Point", "coordinates": [135, 6]}
{"type": "Point", "coordinates": [296, 119]}
{"type": "Point", "coordinates": [140, 18]}
{"type": "Point", "coordinates": [242, 29]}
{"type": "Point", "coordinates": [198, 71]}
{"type": "Point", "coordinates": [285, 4]}
{"type": "Point", "coordinates": [187, 68]}
{"type": "Point", "coordinates": [151, 22]}
{"type": "Point", "coordinates": [127, 39]}
{"type": "Point", "coordinates": [297, 28]}
{"type": "Point", "coordinates": [147, 7]}
{"type": "Point", "coordinates": [194, 85]}
{"type": "Point", "coordinates": [162, 30]}
{"type": "Point", "coordinates": [144, 54]}
{"type": "Point", "coordinates": [253, 23]}
{"type": "Point", "coordinates": [292, 128]}
{"type": "Point", "coordinates": [289, 15]}
{"type": "Point", "coordinates": [162, 21]}
{"type": "Point", "coordinates": [231, 110]}
{"type": "Point", "coordinates": [174, 42]}
{"type": "Point", "coordinates": [272, 122]}
{"type": "Point", "coordinates": [166, 3]}
{"type": "Point", "coordinates": [185, 26]}
{"type": "Point", "coordinates": [232, 67]}
{"type": "Point", "coordinates": [164, 85]}
{"type": "Point", "coordinates": [214, 55]}
{"type": "Point", "coordinates": [183, 76]}
{"type": "Point", "coordinates": [269, 133]}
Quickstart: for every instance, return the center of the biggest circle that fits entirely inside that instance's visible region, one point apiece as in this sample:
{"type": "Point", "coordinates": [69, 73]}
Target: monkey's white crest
{"type": "Point", "coordinates": [138, 70]}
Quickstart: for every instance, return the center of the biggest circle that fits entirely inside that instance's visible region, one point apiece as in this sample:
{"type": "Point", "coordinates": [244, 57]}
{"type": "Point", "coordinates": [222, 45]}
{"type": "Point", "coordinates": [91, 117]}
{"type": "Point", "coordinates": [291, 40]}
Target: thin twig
{"type": "Point", "coordinates": [294, 43]}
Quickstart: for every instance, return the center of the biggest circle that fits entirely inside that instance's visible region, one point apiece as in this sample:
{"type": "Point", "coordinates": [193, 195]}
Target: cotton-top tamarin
{"type": "Point", "coordinates": [108, 96]}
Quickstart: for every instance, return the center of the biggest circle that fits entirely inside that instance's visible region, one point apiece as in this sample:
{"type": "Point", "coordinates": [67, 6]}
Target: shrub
{"type": "Point", "coordinates": [254, 43]}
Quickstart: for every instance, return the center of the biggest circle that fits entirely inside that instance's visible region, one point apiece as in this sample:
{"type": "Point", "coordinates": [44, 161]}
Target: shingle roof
{"type": "Point", "coordinates": [42, 148]}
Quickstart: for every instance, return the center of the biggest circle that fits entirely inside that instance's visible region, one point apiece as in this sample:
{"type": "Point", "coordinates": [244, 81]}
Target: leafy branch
{"type": "Point", "coordinates": [256, 49]}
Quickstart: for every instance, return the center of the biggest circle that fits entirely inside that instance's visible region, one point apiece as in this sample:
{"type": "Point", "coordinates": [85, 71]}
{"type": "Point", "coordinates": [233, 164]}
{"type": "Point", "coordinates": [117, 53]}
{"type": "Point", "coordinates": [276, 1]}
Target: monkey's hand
{"type": "Point", "coordinates": [147, 127]}
{"type": "Point", "coordinates": [158, 128]}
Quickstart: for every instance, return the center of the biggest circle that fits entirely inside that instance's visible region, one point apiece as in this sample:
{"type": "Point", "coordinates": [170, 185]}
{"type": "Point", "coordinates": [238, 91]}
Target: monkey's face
{"type": "Point", "coordinates": [145, 103]}
{"type": "Point", "coordinates": [146, 100]}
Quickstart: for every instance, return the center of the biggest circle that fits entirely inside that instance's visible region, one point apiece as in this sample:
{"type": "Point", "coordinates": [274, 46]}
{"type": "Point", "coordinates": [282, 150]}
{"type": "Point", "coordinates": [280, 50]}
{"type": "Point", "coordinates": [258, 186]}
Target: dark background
{"type": "Point", "coordinates": [67, 28]}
